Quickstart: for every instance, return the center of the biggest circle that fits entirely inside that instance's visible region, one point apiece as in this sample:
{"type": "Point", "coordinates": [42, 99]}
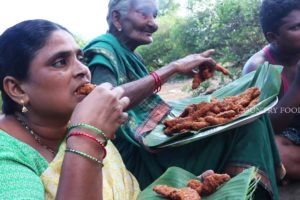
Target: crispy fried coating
{"type": "Point", "coordinates": [222, 69]}
{"type": "Point", "coordinates": [198, 116]}
{"type": "Point", "coordinates": [177, 194]}
{"type": "Point", "coordinates": [164, 190]}
{"type": "Point", "coordinates": [216, 120]}
{"type": "Point", "coordinates": [185, 126]}
{"type": "Point", "coordinates": [196, 185]}
{"type": "Point", "coordinates": [185, 194]}
{"type": "Point", "coordinates": [191, 109]}
{"type": "Point", "coordinates": [86, 88]}
{"type": "Point", "coordinates": [212, 182]}
{"type": "Point", "coordinates": [206, 73]}
{"type": "Point", "coordinates": [196, 81]}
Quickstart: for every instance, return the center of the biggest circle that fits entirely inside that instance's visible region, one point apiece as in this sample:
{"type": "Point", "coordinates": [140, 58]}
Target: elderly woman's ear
{"type": "Point", "coordinates": [116, 20]}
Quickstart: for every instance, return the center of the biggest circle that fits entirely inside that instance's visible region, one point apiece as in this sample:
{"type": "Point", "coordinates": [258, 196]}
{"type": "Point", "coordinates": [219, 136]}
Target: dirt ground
{"type": "Point", "coordinates": [172, 91]}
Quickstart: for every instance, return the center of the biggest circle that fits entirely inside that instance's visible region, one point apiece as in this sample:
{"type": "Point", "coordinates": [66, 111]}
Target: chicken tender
{"type": "Point", "coordinates": [172, 193]}
{"type": "Point", "coordinates": [86, 89]}
{"type": "Point", "coordinates": [212, 182]}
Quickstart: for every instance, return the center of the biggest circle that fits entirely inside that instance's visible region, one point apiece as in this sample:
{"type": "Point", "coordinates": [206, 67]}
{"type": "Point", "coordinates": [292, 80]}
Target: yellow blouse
{"type": "Point", "coordinates": [118, 182]}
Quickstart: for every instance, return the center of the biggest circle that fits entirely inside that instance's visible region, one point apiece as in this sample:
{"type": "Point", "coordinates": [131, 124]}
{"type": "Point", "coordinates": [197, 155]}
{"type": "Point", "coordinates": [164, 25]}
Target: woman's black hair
{"type": "Point", "coordinates": [18, 46]}
{"type": "Point", "coordinates": [272, 12]}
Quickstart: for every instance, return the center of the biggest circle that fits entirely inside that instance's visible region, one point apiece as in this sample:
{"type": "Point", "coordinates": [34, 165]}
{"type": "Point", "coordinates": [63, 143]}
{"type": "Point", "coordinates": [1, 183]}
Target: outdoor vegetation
{"type": "Point", "coordinates": [229, 26]}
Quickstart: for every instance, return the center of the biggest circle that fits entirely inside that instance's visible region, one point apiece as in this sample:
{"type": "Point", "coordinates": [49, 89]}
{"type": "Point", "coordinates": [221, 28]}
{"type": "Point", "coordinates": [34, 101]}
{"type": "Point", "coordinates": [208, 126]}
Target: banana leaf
{"type": "Point", "coordinates": [240, 187]}
{"type": "Point", "coordinates": [266, 78]}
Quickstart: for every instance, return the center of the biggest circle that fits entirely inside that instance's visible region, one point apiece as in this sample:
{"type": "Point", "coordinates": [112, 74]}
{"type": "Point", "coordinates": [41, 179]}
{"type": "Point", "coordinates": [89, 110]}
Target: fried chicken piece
{"type": "Point", "coordinates": [216, 120]}
{"type": "Point", "coordinates": [253, 102]}
{"type": "Point", "coordinates": [177, 194]}
{"type": "Point", "coordinates": [185, 194]}
{"type": "Point", "coordinates": [216, 109]}
{"type": "Point", "coordinates": [184, 126]}
{"type": "Point", "coordinates": [86, 88]}
{"type": "Point", "coordinates": [196, 185]}
{"type": "Point", "coordinates": [164, 190]}
{"type": "Point", "coordinates": [212, 182]}
{"type": "Point", "coordinates": [227, 114]}
{"type": "Point", "coordinates": [191, 109]}
{"type": "Point", "coordinates": [197, 80]}
{"type": "Point", "coordinates": [175, 121]}
{"type": "Point", "coordinates": [222, 69]}
{"type": "Point", "coordinates": [207, 73]}
{"type": "Point", "coordinates": [202, 110]}
{"type": "Point", "coordinates": [210, 113]}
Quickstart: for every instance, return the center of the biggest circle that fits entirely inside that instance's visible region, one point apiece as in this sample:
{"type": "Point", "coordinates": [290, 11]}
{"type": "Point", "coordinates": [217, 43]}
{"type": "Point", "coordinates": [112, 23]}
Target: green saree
{"type": "Point", "coordinates": [231, 151]}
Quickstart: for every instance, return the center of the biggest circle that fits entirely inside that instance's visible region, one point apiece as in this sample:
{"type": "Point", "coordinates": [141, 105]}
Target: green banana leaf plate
{"type": "Point", "coordinates": [266, 78]}
{"type": "Point", "coordinates": [240, 187]}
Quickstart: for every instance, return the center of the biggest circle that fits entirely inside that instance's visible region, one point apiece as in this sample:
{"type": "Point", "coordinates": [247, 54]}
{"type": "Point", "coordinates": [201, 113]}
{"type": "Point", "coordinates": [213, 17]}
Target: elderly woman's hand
{"type": "Point", "coordinates": [187, 64]}
{"type": "Point", "coordinates": [102, 108]}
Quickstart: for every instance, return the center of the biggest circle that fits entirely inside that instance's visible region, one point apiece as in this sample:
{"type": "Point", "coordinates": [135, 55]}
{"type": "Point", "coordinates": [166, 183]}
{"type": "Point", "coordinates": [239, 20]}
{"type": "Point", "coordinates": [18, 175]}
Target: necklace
{"type": "Point", "coordinates": [35, 136]}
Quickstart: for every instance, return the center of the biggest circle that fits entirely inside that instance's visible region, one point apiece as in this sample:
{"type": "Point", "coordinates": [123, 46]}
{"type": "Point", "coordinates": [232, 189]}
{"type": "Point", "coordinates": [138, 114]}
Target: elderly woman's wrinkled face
{"type": "Point", "coordinates": [139, 24]}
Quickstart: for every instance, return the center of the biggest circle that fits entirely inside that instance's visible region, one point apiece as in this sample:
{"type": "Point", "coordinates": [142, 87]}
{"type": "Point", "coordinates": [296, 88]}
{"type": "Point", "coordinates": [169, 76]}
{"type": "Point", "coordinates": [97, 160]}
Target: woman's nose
{"type": "Point", "coordinates": [152, 23]}
{"type": "Point", "coordinates": [81, 69]}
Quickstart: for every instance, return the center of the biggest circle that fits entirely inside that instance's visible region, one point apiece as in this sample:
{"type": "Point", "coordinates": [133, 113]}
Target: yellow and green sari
{"type": "Point", "coordinates": [25, 174]}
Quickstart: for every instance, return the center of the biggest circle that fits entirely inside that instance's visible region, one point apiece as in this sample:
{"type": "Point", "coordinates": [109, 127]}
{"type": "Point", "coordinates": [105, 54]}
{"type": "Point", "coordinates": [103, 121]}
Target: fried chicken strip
{"type": "Point", "coordinates": [222, 69]}
{"type": "Point", "coordinates": [177, 194]}
{"type": "Point", "coordinates": [86, 88]}
{"type": "Point", "coordinates": [212, 182]}
{"type": "Point", "coordinates": [206, 73]}
{"type": "Point", "coordinates": [196, 185]}
{"type": "Point", "coordinates": [196, 81]}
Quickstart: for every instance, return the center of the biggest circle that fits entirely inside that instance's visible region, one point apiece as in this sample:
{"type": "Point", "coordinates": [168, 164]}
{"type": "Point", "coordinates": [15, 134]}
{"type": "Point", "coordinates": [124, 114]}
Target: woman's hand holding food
{"type": "Point", "coordinates": [102, 108]}
{"type": "Point", "coordinates": [187, 64]}
{"type": "Point", "coordinates": [201, 66]}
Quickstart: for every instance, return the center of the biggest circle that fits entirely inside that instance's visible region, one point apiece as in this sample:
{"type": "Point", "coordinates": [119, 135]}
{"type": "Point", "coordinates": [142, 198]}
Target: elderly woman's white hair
{"type": "Point", "coordinates": [121, 6]}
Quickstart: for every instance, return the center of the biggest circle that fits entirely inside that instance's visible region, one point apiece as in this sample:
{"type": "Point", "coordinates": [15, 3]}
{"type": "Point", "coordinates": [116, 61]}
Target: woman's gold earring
{"type": "Point", "coordinates": [24, 109]}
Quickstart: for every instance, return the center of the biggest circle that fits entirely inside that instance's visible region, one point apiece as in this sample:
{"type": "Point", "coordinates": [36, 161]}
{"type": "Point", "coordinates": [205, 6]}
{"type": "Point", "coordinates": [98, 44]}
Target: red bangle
{"type": "Point", "coordinates": [157, 81]}
{"type": "Point", "coordinates": [90, 137]}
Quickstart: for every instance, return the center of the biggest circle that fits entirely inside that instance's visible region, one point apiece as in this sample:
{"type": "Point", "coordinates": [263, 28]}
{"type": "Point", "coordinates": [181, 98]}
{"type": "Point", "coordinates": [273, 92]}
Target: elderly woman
{"type": "Point", "coordinates": [111, 58]}
{"type": "Point", "coordinates": [41, 76]}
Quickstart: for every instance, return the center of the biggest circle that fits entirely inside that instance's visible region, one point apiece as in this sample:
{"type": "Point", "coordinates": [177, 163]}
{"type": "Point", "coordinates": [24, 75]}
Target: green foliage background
{"type": "Point", "coordinates": [229, 26]}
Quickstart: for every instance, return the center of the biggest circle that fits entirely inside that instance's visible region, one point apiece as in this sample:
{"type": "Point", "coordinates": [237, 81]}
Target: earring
{"type": "Point", "coordinates": [24, 109]}
{"type": "Point", "coordinates": [119, 29]}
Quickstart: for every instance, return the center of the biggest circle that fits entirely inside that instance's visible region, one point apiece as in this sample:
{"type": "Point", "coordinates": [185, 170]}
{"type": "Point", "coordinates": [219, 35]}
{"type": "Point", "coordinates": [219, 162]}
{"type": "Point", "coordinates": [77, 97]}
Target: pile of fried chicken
{"type": "Point", "coordinates": [195, 188]}
{"type": "Point", "coordinates": [204, 114]}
